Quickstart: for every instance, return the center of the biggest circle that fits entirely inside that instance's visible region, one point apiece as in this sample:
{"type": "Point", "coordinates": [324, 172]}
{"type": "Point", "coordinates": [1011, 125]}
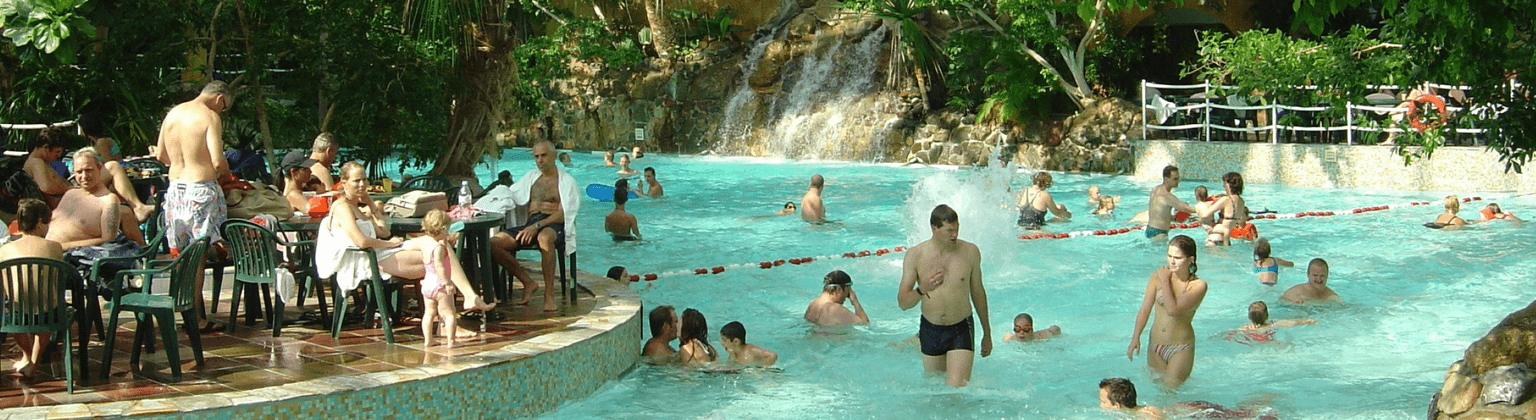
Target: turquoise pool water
{"type": "Point", "coordinates": [1415, 297]}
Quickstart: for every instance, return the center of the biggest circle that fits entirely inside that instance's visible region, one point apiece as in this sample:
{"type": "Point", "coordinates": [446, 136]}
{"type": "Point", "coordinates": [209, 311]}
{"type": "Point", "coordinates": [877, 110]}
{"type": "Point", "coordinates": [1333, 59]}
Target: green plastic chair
{"type": "Point", "coordinates": [42, 307]}
{"type": "Point", "coordinates": [98, 274]}
{"type": "Point", "coordinates": [382, 295]}
{"type": "Point", "coordinates": [181, 298]}
{"type": "Point", "coordinates": [254, 250]}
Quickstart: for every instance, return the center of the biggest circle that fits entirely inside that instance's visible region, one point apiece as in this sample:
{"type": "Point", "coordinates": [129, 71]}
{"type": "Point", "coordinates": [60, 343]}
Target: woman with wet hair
{"type": "Point", "coordinates": [693, 339]}
{"type": "Point", "coordinates": [1175, 292]}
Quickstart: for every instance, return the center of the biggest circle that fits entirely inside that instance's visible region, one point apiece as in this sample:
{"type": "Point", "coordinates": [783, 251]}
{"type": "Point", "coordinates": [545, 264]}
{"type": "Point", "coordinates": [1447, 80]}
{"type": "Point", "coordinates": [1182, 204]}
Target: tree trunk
{"type": "Point", "coordinates": [661, 28]}
{"type": "Point", "coordinates": [487, 70]}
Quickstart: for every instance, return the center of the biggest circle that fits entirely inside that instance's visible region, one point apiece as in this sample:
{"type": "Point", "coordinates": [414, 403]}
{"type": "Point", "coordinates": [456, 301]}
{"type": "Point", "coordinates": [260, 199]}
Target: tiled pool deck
{"type": "Point", "coordinates": [526, 363]}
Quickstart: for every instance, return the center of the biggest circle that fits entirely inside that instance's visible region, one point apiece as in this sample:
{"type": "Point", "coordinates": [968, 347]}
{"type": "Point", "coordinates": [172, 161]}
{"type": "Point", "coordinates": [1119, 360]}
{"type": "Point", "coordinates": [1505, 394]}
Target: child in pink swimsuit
{"type": "Point", "coordinates": [437, 293]}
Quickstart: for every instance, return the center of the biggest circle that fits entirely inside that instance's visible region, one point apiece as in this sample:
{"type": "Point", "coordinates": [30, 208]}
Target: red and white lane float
{"type": "Point", "coordinates": [766, 264]}
{"type": "Point", "coordinates": [1270, 216]}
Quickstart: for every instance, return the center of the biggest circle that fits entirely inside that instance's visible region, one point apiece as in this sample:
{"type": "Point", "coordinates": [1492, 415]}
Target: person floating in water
{"type": "Point", "coordinates": [1493, 212]}
{"type": "Point", "coordinates": [733, 337]}
{"type": "Point", "coordinates": [811, 209]}
{"type": "Point", "coordinates": [1162, 203]}
{"type": "Point", "coordinates": [1036, 202]}
{"type": "Point", "coordinates": [1260, 328]}
{"type": "Point", "coordinates": [1176, 292]}
{"type": "Point", "coordinates": [944, 274]}
{"type": "Point", "coordinates": [1120, 394]}
{"type": "Point", "coordinates": [1315, 289]}
{"type": "Point", "coordinates": [619, 223]}
{"type": "Point", "coordinates": [1095, 199]}
{"type": "Point", "coordinates": [1024, 330]}
{"type": "Point", "coordinates": [789, 208]}
{"type": "Point", "coordinates": [1265, 266]}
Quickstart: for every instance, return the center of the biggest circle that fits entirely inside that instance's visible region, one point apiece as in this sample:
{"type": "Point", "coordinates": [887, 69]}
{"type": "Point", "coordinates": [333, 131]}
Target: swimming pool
{"type": "Point", "coordinates": [1415, 297]}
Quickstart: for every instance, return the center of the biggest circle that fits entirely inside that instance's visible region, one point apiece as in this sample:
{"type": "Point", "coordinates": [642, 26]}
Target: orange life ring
{"type": "Point", "coordinates": [1413, 111]}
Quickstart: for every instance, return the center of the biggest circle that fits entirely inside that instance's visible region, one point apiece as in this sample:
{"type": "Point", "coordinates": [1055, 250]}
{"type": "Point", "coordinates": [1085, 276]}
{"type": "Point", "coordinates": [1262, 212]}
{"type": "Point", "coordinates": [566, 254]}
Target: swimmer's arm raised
{"type": "Point", "coordinates": [1283, 262]}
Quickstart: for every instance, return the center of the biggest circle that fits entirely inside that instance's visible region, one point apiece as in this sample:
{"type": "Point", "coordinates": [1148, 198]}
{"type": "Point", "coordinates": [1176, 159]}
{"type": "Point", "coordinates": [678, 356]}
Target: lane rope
{"type": "Point", "coordinates": [765, 265]}
{"type": "Point", "coordinates": [1270, 216]}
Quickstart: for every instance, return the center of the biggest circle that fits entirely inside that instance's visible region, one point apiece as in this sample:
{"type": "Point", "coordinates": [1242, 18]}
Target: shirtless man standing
{"type": "Point", "coordinates": [811, 209]}
{"type": "Point", "coordinates": [91, 215]}
{"type": "Point", "coordinates": [950, 270]}
{"type": "Point", "coordinates": [46, 148]}
{"type": "Point", "coordinates": [552, 200]}
{"type": "Point", "coordinates": [620, 223]}
{"type": "Point", "coordinates": [192, 144]}
{"type": "Point", "coordinates": [1234, 210]}
{"type": "Point", "coordinates": [1161, 204]}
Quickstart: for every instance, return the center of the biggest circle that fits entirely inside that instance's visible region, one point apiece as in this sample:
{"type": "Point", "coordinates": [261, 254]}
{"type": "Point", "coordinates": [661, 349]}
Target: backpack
{"type": "Point", "coordinates": [15, 184]}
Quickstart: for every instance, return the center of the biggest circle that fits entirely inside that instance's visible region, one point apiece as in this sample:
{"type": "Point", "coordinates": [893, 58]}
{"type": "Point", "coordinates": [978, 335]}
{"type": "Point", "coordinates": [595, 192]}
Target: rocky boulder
{"type": "Point", "coordinates": [1495, 380]}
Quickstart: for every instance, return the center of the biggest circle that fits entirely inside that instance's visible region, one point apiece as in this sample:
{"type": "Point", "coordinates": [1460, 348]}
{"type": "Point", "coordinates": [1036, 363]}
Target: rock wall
{"type": "Point", "coordinates": [1494, 380]}
{"type": "Point", "coordinates": [681, 103]}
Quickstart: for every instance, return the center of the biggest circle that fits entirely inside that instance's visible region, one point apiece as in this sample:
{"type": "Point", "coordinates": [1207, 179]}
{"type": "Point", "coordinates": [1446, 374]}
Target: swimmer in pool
{"type": "Point", "coordinates": [1161, 204]}
{"type": "Point", "coordinates": [1493, 212]}
{"type": "Point", "coordinates": [789, 208]}
{"type": "Point", "coordinates": [1176, 293]}
{"type": "Point", "coordinates": [1120, 394]}
{"type": "Point", "coordinates": [1449, 218]}
{"type": "Point", "coordinates": [944, 274]}
{"type": "Point", "coordinates": [1094, 197]}
{"type": "Point", "coordinates": [1315, 289]}
{"type": "Point", "coordinates": [664, 329]}
{"type": "Point", "coordinates": [608, 159]}
{"type": "Point", "coordinates": [1266, 266]}
{"type": "Point", "coordinates": [811, 208]}
{"type": "Point", "coordinates": [624, 169]}
{"type": "Point", "coordinates": [1106, 206]}
{"type": "Point", "coordinates": [1024, 330]}
{"type": "Point", "coordinates": [620, 223]}
{"type": "Point", "coordinates": [733, 337]}
{"type": "Point", "coordinates": [1260, 328]}
{"type": "Point", "coordinates": [828, 308]}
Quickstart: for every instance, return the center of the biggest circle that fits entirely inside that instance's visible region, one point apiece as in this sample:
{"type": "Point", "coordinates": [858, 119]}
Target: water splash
{"type": "Point", "coordinates": [981, 198]}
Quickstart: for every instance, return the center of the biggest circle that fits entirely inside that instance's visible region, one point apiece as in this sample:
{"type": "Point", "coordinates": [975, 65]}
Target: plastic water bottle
{"type": "Point", "coordinates": [465, 197]}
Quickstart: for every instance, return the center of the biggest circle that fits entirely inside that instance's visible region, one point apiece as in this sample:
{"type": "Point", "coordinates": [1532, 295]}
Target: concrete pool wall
{"type": "Point", "coordinates": [1454, 169]}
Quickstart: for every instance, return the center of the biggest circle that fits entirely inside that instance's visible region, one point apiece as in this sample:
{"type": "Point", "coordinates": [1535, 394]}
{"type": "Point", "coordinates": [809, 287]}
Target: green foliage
{"type": "Point", "coordinates": [1478, 44]}
{"type": "Point", "coordinates": [546, 58]}
{"type": "Point", "coordinates": [1002, 84]}
{"type": "Point", "coordinates": [53, 28]}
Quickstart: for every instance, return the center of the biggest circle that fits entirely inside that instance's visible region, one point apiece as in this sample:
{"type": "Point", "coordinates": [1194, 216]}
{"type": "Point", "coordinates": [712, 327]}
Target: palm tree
{"type": "Point", "coordinates": [662, 35]}
{"type": "Point", "coordinates": [485, 38]}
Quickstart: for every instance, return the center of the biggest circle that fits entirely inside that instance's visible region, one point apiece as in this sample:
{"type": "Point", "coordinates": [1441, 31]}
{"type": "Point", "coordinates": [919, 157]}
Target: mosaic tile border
{"type": "Point", "coordinates": [1453, 169]}
{"type": "Point", "coordinates": [519, 380]}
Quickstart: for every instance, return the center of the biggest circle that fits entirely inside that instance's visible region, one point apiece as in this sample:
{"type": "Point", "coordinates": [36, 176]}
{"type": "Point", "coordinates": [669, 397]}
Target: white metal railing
{"type": "Point", "coordinates": [1155, 107]}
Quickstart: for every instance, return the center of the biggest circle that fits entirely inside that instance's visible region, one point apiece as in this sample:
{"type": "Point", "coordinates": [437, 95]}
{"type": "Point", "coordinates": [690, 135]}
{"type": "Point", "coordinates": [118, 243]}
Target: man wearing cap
{"type": "Point", "coordinates": [296, 172]}
{"type": "Point", "coordinates": [828, 308]}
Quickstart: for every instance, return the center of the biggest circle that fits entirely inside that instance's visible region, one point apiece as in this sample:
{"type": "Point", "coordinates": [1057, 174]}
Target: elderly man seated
{"type": "Point", "coordinates": [552, 199]}
{"type": "Point", "coordinates": [90, 221]}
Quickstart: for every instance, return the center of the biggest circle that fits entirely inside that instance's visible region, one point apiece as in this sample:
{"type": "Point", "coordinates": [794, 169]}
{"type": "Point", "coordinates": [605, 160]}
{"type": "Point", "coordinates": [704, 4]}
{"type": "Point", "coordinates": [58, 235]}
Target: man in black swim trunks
{"type": "Point", "coordinates": [950, 273]}
{"type": "Point", "coordinates": [552, 200]}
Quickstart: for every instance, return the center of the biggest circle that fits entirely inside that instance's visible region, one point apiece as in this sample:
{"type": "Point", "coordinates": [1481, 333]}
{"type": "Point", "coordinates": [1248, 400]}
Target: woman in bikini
{"type": "Point", "coordinates": [693, 340]}
{"type": "Point", "coordinates": [1265, 266]}
{"type": "Point", "coordinates": [1176, 293]}
{"type": "Point", "coordinates": [1449, 218]}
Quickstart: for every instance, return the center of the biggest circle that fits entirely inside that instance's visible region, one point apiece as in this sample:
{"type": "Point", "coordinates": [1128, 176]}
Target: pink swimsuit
{"type": "Point", "coordinates": [433, 281]}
